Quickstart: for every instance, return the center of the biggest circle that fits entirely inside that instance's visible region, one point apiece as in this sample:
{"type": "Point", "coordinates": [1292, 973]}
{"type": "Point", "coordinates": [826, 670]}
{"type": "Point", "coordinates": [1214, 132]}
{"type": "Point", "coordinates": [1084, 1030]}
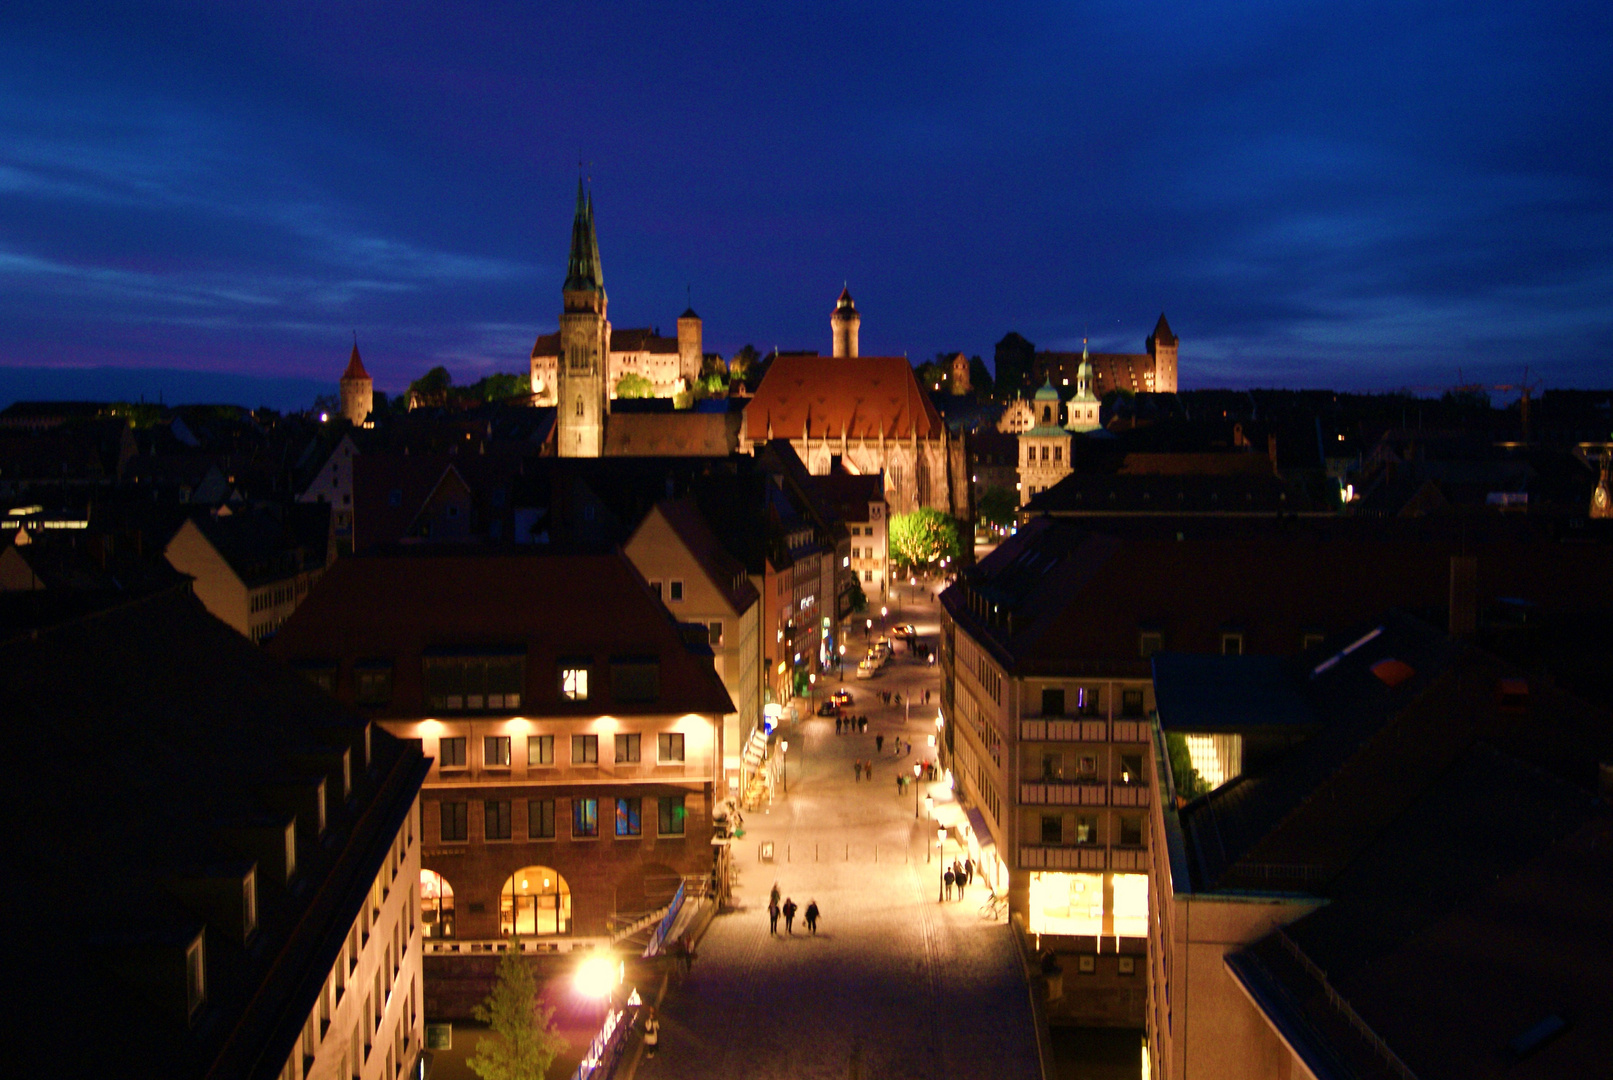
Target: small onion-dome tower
{"type": "Point", "coordinates": [358, 390]}
{"type": "Point", "coordinates": [1081, 413]}
{"type": "Point", "coordinates": [845, 322]}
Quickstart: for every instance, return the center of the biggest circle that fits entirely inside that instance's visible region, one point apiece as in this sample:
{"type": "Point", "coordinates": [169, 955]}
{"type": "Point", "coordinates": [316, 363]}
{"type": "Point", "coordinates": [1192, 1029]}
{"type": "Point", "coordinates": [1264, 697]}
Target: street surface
{"type": "Point", "coordinates": [895, 984]}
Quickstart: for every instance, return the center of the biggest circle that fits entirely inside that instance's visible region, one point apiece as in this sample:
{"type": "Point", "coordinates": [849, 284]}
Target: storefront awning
{"type": "Point", "coordinates": [977, 826]}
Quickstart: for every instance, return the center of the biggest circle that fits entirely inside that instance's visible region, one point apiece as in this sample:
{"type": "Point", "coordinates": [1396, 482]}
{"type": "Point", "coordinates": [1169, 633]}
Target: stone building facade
{"type": "Point", "coordinates": [1149, 372]}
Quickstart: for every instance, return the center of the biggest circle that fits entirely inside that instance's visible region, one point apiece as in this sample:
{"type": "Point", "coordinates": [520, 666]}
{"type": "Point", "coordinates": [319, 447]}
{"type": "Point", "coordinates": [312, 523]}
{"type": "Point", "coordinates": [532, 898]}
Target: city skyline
{"type": "Point", "coordinates": [1362, 201]}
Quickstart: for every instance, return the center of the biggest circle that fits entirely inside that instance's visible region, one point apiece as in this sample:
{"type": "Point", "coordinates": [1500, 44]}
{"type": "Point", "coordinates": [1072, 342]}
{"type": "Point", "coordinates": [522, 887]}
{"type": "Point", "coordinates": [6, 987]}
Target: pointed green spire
{"type": "Point", "coordinates": [582, 269]}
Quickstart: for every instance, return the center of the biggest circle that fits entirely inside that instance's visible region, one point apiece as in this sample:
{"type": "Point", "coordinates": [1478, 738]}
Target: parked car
{"type": "Point", "coordinates": [829, 708]}
{"type": "Point", "coordinates": [841, 697]}
{"type": "Point", "coordinates": [906, 630]}
{"type": "Point", "coordinates": [867, 669]}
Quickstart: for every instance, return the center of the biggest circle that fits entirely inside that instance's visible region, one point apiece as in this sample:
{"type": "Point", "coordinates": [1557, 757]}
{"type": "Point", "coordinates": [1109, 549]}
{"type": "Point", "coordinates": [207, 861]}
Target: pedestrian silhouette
{"type": "Point", "coordinates": [948, 879]}
{"type": "Point", "coordinates": [879, 742]}
{"type": "Point", "coordinates": [857, 767]}
{"type": "Point", "coordinates": [789, 916]}
{"type": "Point", "coordinates": [772, 917]}
{"type": "Point", "coordinates": [812, 916]}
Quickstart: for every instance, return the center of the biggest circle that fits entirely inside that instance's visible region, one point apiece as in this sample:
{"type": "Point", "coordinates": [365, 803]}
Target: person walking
{"type": "Point", "coordinates": [947, 878]}
{"type": "Point", "coordinates": [772, 917]}
{"type": "Point", "coordinates": [957, 876]}
{"type": "Point", "coordinates": [969, 870]}
{"type": "Point", "coordinates": [857, 767]}
{"type": "Point", "coordinates": [652, 1033]}
{"type": "Point", "coordinates": [789, 916]}
{"type": "Point", "coordinates": [879, 743]}
{"type": "Point", "coordinates": [899, 787]}
{"type": "Point", "coordinates": [773, 897]}
{"type": "Point", "coordinates": [812, 916]}
{"type": "Point", "coordinates": [838, 725]}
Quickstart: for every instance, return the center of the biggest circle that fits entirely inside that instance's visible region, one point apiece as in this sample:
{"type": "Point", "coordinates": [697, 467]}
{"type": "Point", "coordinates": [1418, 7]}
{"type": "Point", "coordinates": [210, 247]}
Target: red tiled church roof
{"type": "Point", "coordinates": [815, 396]}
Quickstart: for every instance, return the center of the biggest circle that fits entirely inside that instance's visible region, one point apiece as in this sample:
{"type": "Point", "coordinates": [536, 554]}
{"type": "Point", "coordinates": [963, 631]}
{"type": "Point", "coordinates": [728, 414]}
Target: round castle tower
{"type": "Point", "coordinates": [845, 321]}
{"type": "Point", "coordinates": [358, 390]}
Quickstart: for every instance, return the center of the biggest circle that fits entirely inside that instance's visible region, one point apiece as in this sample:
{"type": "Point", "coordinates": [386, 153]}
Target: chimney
{"type": "Point", "coordinates": [1464, 595]}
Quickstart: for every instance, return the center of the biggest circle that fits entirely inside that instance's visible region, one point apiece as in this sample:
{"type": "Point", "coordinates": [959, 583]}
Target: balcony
{"type": "Point", "coordinates": [1128, 858]}
{"type": "Point", "coordinates": [1061, 793]}
{"type": "Point", "coordinates": [1129, 795]}
{"type": "Point", "coordinates": [1131, 731]}
{"type": "Point", "coordinates": [1084, 857]}
{"type": "Point", "coordinates": [1059, 729]}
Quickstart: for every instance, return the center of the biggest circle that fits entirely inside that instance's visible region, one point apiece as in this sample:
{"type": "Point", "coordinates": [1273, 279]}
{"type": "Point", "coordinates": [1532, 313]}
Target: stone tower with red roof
{"type": "Point", "coordinates": [358, 390]}
{"type": "Point", "coordinates": [1162, 347]}
{"type": "Point", "coordinates": [580, 389]}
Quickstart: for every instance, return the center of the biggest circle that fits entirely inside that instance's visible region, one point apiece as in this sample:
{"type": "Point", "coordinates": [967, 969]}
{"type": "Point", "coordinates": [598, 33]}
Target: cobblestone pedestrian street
{"type": "Point", "coordinates": [895, 984]}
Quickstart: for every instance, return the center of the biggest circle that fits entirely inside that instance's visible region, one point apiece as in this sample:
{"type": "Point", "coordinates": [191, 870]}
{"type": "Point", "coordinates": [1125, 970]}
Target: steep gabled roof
{"type": "Point", "coordinates": [862, 396]}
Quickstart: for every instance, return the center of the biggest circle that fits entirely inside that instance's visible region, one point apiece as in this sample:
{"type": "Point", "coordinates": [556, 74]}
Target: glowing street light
{"type": "Point", "coordinates": [918, 770]}
{"type": "Point", "coordinates": [596, 977]}
{"type": "Point", "coordinates": [784, 759]}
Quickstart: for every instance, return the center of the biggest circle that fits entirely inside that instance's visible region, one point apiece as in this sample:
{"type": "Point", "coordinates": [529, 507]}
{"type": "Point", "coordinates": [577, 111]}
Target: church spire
{"type": "Point", "coordinates": [582, 269]}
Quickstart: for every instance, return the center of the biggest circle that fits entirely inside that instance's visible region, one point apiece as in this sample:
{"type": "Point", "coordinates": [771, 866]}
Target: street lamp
{"type": "Point", "coordinates": [941, 868]}
{"type": "Point", "coordinates": [812, 692]}
{"type": "Point", "coordinates": [840, 665]}
{"type": "Point", "coordinates": [784, 760]}
{"type": "Point", "coordinates": [917, 772]}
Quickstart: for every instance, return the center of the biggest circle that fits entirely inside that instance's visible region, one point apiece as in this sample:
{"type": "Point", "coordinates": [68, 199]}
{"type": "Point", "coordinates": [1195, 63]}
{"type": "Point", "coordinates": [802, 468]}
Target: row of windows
{"type": "Point", "coordinates": [1088, 701]}
{"type": "Point", "coordinates": [451, 750]}
{"type": "Point", "coordinates": [493, 683]}
{"type": "Point", "coordinates": [674, 590]}
{"type": "Point", "coordinates": [268, 598]}
{"type": "Point", "coordinates": [1030, 454]}
{"type": "Point", "coordinates": [1150, 642]}
{"type": "Point", "coordinates": [540, 818]}
{"type": "Point", "coordinates": [1059, 765]}
{"type": "Point", "coordinates": [1084, 829]}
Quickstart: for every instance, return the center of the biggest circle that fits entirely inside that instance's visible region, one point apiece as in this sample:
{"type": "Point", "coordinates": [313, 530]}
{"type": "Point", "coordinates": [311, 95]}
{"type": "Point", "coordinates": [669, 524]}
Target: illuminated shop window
{"type": "Point", "coordinates": [574, 683]}
{"type": "Point", "coordinates": [436, 905]}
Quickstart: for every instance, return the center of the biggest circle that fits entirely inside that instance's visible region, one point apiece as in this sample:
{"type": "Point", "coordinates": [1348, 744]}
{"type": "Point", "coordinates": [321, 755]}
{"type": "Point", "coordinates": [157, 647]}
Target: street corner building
{"type": "Point", "coordinates": [575, 731]}
{"type": "Point", "coordinates": [211, 869]}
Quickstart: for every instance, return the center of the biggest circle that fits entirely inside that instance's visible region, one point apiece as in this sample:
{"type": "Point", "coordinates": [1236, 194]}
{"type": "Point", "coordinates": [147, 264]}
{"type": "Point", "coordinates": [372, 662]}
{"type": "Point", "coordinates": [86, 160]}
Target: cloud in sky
{"type": "Point", "coordinates": [1367, 196]}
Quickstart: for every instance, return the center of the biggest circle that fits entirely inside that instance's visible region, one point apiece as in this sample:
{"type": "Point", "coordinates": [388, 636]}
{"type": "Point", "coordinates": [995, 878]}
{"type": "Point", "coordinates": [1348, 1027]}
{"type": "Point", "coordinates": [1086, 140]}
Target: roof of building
{"type": "Point", "coordinates": [849, 495]}
{"type": "Point", "coordinates": [682, 433]}
{"type": "Point", "coordinates": [1202, 692]}
{"type": "Point", "coordinates": [1162, 332]}
{"type": "Point", "coordinates": [1031, 600]}
{"type": "Point", "coordinates": [403, 605]}
{"type": "Point", "coordinates": [862, 397]}
{"type": "Point", "coordinates": [355, 367]}
{"type": "Point", "coordinates": [725, 571]}
{"type": "Point", "coordinates": [583, 270]}
{"type": "Point", "coordinates": [264, 542]}
{"type": "Point", "coordinates": [156, 736]}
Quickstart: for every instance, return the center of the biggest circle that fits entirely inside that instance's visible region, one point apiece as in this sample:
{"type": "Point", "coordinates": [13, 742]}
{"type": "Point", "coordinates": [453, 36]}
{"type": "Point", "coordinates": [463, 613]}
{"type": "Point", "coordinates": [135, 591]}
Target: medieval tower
{"type": "Point", "coordinates": [690, 346]}
{"type": "Point", "coordinates": [584, 343]}
{"type": "Point", "coordinates": [1161, 346]}
{"type": "Point", "coordinates": [357, 389]}
{"type": "Point", "coordinates": [845, 321]}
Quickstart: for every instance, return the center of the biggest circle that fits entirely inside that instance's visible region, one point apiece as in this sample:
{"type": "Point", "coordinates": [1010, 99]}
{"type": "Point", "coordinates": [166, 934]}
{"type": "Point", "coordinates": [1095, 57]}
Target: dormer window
{"type": "Point", "coordinates": [574, 682]}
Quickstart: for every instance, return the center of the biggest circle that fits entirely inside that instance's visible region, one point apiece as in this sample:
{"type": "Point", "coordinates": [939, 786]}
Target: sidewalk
{"type": "Point", "coordinates": [907, 986]}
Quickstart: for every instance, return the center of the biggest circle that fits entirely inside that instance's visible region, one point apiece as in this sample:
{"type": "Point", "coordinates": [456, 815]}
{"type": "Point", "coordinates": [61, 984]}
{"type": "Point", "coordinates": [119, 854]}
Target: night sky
{"type": "Point", "coordinates": [1363, 196]}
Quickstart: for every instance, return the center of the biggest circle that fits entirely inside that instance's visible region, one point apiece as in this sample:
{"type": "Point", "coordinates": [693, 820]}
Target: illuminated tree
{"type": "Point", "coordinates": [923, 538]}
{"type": "Point", "coordinates": [633, 385]}
{"type": "Point", "coordinates": [524, 1041]}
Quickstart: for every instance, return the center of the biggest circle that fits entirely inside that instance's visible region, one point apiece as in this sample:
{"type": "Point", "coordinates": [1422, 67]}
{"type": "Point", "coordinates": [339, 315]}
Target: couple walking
{"type": "Point", "coordinates": [788, 910]}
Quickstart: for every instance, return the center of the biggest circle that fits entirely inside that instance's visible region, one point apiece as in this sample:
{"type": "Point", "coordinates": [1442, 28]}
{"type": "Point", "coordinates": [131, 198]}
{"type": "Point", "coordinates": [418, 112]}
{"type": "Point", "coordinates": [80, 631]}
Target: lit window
{"type": "Point", "coordinates": [574, 683]}
{"type": "Point", "coordinates": [714, 632]}
{"type": "Point", "coordinates": [584, 817]}
{"type": "Point", "coordinates": [627, 748]}
{"type": "Point", "coordinates": [845, 561]}
{"type": "Point", "coordinates": [628, 822]}
{"type": "Point", "coordinates": [670, 746]}
{"type": "Point", "coordinates": [496, 751]}
{"type": "Point", "coordinates": [540, 750]}
{"type": "Point", "coordinates": [670, 812]}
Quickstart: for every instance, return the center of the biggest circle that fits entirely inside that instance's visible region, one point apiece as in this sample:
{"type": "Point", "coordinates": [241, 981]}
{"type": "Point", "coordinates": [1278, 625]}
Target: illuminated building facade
{"type": "Point", "coordinates": [575, 731]}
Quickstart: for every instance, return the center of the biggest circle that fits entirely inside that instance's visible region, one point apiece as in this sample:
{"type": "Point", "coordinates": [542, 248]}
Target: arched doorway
{"type": "Point", "coordinates": [535, 901]}
{"type": "Point", "coordinates": [436, 905]}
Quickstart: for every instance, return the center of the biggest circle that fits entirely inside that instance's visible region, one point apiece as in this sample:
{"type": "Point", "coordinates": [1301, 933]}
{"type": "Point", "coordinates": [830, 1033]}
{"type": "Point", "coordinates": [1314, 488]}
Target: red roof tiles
{"type": "Point", "coordinates": [863, 396]}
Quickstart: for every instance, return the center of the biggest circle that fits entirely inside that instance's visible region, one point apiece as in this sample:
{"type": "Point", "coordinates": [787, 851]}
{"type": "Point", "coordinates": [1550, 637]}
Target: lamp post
{"type": "Point", "coordinates": [941, 867]}
{"type": "Point", "coordinates": [784, 760]}
{"type": "Point", "coordinates": [840, 664]}
{"type": "Point", "coordinates": [812, 692]}
{"type": "Point", "coordinates": [917, 772]}
{"type": "Point", "coordinates": [929, 809]}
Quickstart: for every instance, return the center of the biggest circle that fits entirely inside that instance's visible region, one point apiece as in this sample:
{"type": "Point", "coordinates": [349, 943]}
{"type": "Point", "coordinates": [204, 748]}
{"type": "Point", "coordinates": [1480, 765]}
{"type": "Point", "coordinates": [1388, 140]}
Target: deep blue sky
{"type": "Point", "coordinates": [1364, 195]}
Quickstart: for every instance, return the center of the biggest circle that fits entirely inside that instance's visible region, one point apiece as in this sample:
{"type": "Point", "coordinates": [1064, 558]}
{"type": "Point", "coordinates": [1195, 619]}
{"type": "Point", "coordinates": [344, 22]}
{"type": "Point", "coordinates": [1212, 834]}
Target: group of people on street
{"type": "Point", "coordinates": [788, 910]}
{"type": "Point", "coordinates": [845, 725]}
{"type": "Point", "coordinates": [862, 769]}
{"type": "Point", "coordinates": [957, 876]}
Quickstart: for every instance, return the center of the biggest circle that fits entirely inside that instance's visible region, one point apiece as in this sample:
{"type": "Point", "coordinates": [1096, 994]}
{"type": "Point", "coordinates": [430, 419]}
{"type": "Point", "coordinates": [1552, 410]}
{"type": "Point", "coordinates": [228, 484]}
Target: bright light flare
{"type": "Point", "coordinates": [595, 977]}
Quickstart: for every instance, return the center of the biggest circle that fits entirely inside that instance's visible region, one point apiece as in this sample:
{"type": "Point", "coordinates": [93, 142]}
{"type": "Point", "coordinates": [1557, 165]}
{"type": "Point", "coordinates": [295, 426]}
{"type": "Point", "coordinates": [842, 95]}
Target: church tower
{"type": "Point", "coordinates": [1161, 346]}
{"type": "Point", "coordinates": [1081, 413]}
{"type": "Point", "coordinates": [357, 389]}
{"type": "Point", "coordinates": [584, 343]}
{"type": "Point", "coordinates": [845, 322]}
{"type": "Point", "coordinates": [1044, 450]}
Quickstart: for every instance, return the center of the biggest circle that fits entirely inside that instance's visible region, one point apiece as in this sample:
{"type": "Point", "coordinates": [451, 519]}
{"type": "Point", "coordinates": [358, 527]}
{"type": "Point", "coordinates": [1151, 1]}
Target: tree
{"type": "Point", "coordinates": [712, 365]}
{"type": "Point", "coordinates": [1189, 784]}
{"type": "Point", "coordinates": [524, 1041]}
{"type": "Point", "coordinates": [934, 374]}
{"type": "Point", "coordinates": [923, 537]}
{"type": "Point", "coordinates": [634, 385]}
{"type": "Point", "coordinates": [501, 386]}
{"type": "Point", "coordinates": [997, 506]}
{"type": "Point", "coordinates": [431, 388]}
{"type": "Point", "coordinates": [743, 363]}
{"type": "Point", "coordinates": [1015, 359]}
{"type": "Point", "coordinates": [859, 599]}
